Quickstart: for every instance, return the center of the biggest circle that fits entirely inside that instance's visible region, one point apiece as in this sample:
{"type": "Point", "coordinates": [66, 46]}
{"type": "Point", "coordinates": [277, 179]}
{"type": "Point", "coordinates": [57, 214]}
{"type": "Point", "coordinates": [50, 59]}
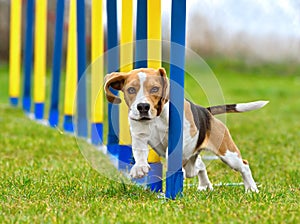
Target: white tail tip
{"type": "Point", "coordinates": [243, 107]}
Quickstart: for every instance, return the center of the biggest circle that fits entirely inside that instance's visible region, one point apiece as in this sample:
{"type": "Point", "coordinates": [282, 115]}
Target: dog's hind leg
{"type": "Point", "coordinates": [204, 182]}
{"type": "Point", "coordinates": [195, 166]}
{"type": "Point", "coordinates": [221, 143]}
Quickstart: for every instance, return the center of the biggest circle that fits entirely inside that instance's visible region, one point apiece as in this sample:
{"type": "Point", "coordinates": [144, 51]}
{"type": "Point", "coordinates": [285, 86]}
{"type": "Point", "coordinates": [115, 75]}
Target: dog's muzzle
{"type": "Point", "coordinates": [143, 109]}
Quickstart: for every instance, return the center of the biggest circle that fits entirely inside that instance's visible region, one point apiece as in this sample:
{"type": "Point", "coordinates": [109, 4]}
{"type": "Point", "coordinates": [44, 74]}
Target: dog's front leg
{"type": "Point", "coordinates": [140, 134]}
{"type": "Point", "coordinates": [140, 153]}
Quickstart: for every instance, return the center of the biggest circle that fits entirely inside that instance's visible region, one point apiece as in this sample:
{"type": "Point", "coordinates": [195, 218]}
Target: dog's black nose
{"type": "Point", "coordinates": [143, 108]}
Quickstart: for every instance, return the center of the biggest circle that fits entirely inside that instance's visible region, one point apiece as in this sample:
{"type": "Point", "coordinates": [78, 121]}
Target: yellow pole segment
{"type": "Point", "coordinates": [154, 48]}
{"type": "Point", "coordinates": [126, 64]}
{"type": "Point", "coordinates": [40, 51]}
{"type": "Point", "coordinates": [154, 33]}
{"type": "Point", "coordinates": [97, 48]}
{"type": "Point", "coordinates": [71, 70]}
{"type": "Point", "coordinates": [15, 48]}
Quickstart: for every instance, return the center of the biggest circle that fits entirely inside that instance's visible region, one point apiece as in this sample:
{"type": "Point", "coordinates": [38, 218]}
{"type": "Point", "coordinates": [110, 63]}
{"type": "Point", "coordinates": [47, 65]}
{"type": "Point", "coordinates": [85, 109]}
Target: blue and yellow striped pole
{"type": "Point", "coordinates": [154, 57]}
{"type": "Point", "coordinates": [71, 70]}
{"type": "Point", "coordinates": [40, 47]}
{"type": "Point", "coordinates": [126, 65]}
{"type": "Point", "coordinates": [15, 51]}
{"type": "Point", "coordinates": [97, 50]}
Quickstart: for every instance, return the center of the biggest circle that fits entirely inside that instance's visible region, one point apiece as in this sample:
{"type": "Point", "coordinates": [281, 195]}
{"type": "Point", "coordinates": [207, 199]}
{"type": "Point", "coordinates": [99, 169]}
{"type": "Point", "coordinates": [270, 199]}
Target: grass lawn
{"type": "Point", "coordinates": [45, 178]}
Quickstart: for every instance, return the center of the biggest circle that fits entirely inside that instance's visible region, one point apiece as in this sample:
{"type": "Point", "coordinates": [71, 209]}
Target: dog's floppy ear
{"type": "Point", "coordinates": [165, 90]}
{"type": "Point", "coordinates": [116, 81]}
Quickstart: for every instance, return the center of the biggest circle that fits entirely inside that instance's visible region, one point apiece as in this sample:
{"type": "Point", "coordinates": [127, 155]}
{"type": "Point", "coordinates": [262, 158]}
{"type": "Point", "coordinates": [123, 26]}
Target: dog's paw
{"type": "Point", "coordinates": [139, 171]}
{"type": "Point", "coordinates": [250, 189]}
{"type": "Point", "coordinates": [205, 187]}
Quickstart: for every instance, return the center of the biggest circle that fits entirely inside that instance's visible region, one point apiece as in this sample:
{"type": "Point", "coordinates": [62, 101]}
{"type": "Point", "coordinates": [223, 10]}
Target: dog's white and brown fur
{"type": "Point", "coordinates": [146, 93]}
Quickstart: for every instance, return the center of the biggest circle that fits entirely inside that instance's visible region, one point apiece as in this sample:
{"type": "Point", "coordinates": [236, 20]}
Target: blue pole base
{"type": "Point", "coordinates": [39, 111]}
{"type": "Point", "coordinates": [14, 101]}
{"type": "Point", "coordinates": [97, 133]}
{"type": "Point", "coordinates": [155, 177]}
{"type": "Point", "coordinates": [53, 118]}
{"type": "Point", "coordinates": [174, 184]}
{"type": "Point", "coordinates": [125, 158]}
{"type": "Point", "coordinates": [68, 123]}
{"type": "Point", "coordinates": [26, 104]}
{"type": "Point", "coordinates": [113, 153]}
{"type": "Point", "coordinates": [82, 129]}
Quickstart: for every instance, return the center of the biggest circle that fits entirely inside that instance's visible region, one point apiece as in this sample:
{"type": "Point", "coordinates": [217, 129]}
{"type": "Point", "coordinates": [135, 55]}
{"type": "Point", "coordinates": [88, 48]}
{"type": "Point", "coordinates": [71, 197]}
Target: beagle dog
{"type": "Point", "coordinates": [146, 93]}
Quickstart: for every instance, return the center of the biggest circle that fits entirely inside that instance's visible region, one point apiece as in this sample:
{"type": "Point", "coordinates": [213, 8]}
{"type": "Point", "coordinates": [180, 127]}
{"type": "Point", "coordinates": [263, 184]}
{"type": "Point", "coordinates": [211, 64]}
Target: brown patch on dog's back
{"type": "Point", "coordinates": [202, 118]}
{"type": "Point", "coordinates": [189, 116]}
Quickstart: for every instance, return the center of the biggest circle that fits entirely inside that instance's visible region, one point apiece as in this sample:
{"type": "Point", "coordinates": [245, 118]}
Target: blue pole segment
{"type": "Point", "coordinates": [82, 127]}
{"type": "Point", "coordinates": [39, 111]}
{"type": "Point", "coordinates": [14, 101]}
{"type": "Point", "coordinates": [28, 55]}
{"type": "Point", "coordinates": [97, 133]}
{"type": "Point", "coordinates": [56, 66]}
{"type": "Point", "coordinates": [112, 66]}
{"type": "Point", "coordinates": [174, 182]}
{"type": "Point", "coordinates": [68, 123]}
{"type": "Point", "coordinates": [141, 35]}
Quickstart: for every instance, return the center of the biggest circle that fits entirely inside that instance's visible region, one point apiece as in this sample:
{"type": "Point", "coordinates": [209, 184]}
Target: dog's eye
{"type": "Point", "coordinates": [131, 90]}
{"type": "Point", "coordinates": [154, 89]}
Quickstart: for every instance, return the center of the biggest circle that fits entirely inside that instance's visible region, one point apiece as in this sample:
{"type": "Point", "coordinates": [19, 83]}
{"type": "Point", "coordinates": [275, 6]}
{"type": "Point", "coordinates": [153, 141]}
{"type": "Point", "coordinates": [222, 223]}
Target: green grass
{"type": "Point", "coordinates": [45, 178]}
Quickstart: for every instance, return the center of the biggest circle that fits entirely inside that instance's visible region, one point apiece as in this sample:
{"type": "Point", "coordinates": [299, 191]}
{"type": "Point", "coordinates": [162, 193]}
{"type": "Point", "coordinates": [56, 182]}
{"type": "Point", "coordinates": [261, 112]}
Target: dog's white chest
{"type": "Point", "coordinates": [159, 135]}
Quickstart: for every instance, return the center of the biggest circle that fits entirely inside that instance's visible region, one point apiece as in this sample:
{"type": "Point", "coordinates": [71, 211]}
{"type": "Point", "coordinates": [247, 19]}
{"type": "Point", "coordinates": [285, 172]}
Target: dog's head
{"type": "Point", "coordinates": [145, 91]}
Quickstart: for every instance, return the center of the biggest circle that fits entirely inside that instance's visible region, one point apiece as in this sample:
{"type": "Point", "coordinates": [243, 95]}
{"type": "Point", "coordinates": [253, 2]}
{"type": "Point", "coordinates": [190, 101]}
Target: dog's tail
{"type": "Point", "coordinates": [236, 108]}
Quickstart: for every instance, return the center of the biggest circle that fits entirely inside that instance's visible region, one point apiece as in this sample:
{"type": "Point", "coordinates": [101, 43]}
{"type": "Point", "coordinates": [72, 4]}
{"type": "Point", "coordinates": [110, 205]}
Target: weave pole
{"type": "Point", "coordinates": [71, 70]}
{"type": "Point", "coordinates": [39, 91]}
{"type": "Point", "coordinates": [82, 129]}
{"type": "Point", "coordinates": [56, 66]}
{"type": "Point", "coordinates": [174, 182]}
{"type": "Point", "coordinates": [126, 65]}
{"type": "Point", "coordinates": [28, 55]}
{"type": "Point", "coordinates": [97, 50]}
{"type": "Point", "coordinates": [15, 51]}
{"type": "Point", "coordinates": [112, 66]}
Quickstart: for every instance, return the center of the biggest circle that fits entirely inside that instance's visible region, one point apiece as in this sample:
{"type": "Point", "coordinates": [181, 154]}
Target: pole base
{"type": "Point", "coordinates": [97, 133]}
{"type": "Point", "coordinates": [82, 129]}
{"type": "Point", "coordinates": [26, 104]}
{"type": "Point", "coordinates": [125, 158]}
{"type": "Point", "coordinates": [174, 184]}
{"type": "Point", "coordinates": [68, 123]}
{"type": "Point", "coordinates": [154, 181]}
{"type": "Point", "coordinates": [14, 101]}
{"type": "Point", "coordinates": [39, 111]}
{"type": "Point", "coordinates": [53, 118]}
